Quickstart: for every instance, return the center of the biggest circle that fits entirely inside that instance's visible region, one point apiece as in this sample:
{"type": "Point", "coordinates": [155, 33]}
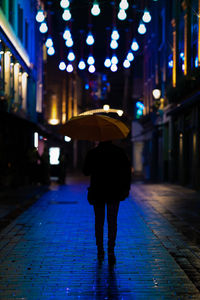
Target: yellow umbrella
{"type": "Point", "coordinates": [94, 128]}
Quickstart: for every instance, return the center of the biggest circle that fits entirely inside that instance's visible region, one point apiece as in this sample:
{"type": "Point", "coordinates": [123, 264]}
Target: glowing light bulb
{"type": "Point", "coordinates": [40, 16]}
{"type": "Point", "coordinates": [62, 66]}
{"type": "Point", "coordinates": [81, 65]}
{"type": "Point", "coordinates": [113, 44]}
{"type": "Point", "coordinates": [69, 68]}
{"type": "Point", "coordinates": [67, 34]}
{"type": "Point", "coordinates": [91, 69]}
{"type": "Point", "coordinates": [49, 42]}
{"type": "Point", "coordinates": [90, 60]}
{"type": "Point", "coordinates": [43, 28]}
{"type": "Point", "coordinates": [90, 39]}
{"type": "Point", "coordinates": [95, 11]}
{"type": "Point", "coordinates": [71, 56]}
{"type": "Point", "coordinates": [51, 51]}
{"type": "Point", "coordinates": [115, 35]}
{"type": "Point", "coordinates": [142, 28]}
{"type": "Point", "coordinates": [122, 15]}
{"type": "Point", "coordinates": [134, 45]}
{"type": "Point", "coordinates": [107, 62]}
{"type": "Point", "coordinates": [126, 63]}
{"type": "Point", "coordinates": [124, 4]}
{"type": "Point", "coordinates": [66, 15]}
{"type": "Point", "coordinates": [64, 3]}
{"type": "Point", "coordinates": [69, 42]}
{"type": "Point", "coordinates": [114, 60]}
{"type": "Point", "coordinates": [146, 16]}
{"type": "Point", "coordinates": [130, 56]}
{"type": "Point", "coordinates": [113, 68]}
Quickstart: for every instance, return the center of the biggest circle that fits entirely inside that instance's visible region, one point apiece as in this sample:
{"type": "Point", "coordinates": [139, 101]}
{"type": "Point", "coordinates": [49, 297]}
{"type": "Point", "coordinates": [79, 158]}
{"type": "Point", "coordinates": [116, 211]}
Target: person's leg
{"type": "Point", "coordinates": [112, 213]}
{"type": "Point", "coordinates": [99, 210]}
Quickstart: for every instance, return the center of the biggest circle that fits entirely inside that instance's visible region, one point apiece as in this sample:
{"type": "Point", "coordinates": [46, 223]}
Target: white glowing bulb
{"type": "Point", "coordinates": [91, 69]}
{"type": "Point", "coordinates": [81, 65]}
{"type": "Point", "coordinates": [115, 35]}
{"type": "Point", "coordinates": [40, 16]}
{"type": "Point", "coordinates": [107, 62]}
{"type": "Point", "coordinates": [71, 56]}
{"type": "Point", "coordinates": [69, 42]}
{"type": "Point", "coordinates": [90, 39]}
{"type": "Point", "coordinates": [113, 68]}
{"type": "Point", "coordinates": [113, 44]}
{"type": "Point", "coordinates": [66, 15]}
{"type": "Point", "coordinates": [90, 60]}
{"type": "Point", "coordinates": [51, 51]}
{"type": "Point", "coordinates": [64, 3]}
{"type": "Point", "coordinates": [69, 68]}
{"type": "Point", "coordinates": [130, 56]}
{"type": "Point", "coordinates": [66, 34]}
{"type": "Point", "coordinates": [95, 9]}
{"type": "Point", "coordinates": [146, 16]}
{"type": "Point", "coordinates": [142, 28]}
{"type": "Point", "coordinates": [126, 63]}
{"type": "Point", "coordinates": [134, 45]}
{"type": "Point", "coordinates": [124, 4]}
{"type": "Point", "coordinates": [49, 42]}
{"type": "Point", "coordinates": [62, 66]}
{"type": "Point", "coordinates": [114, 60]}
{"type": "Point", "coordinates": [43, 27]}
{"type": "Point", "coordinates": [122, 15]}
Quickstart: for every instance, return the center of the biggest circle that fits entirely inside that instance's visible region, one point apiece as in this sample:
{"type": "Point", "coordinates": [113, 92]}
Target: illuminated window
{"type": "Point", "coordinates": [54, 153]}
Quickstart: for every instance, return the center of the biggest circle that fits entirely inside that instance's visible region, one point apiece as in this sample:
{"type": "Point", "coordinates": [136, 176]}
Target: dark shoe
{"type": "Point", "coordinates": [111, 259]}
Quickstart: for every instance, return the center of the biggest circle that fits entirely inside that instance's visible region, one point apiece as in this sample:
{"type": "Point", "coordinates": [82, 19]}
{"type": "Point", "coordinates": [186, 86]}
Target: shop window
{"type": "Point", "coordinates": [20, 22]}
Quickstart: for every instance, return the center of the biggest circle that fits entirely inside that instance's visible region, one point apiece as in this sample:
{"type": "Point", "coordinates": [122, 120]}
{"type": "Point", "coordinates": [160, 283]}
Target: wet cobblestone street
{"type": "Point", "coordinates": [49, 251]}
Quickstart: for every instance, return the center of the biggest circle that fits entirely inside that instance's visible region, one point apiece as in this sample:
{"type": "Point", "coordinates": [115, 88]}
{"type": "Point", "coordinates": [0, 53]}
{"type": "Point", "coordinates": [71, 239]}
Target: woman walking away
{"type": "Point", "coordinates": [110, 177]}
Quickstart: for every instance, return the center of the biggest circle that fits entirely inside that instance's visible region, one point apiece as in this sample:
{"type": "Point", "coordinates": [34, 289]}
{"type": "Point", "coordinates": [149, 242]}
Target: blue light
{"type": "Point", "coordinates": [40, 16]}
{"type": "Point", "coordinates": [113, 44]}
{"type": "Point", "coordinates": [69, 68]}
{"type": "Point", "coordinates": [170, 64]}
{"type": "Point", "coordinates": [146, 16]}
{"type": "Point", "coordinates": [140, 105]}
{"type": "Point", "coordinates": [90, 39]}
{"type": "Point", "coordinates": [81, 65]}
{"type": "Point", "coordinates": [107, 62]}
{"type": "Point", "coordinates": [66, 15]}
{"type": "Point", "coordinates": [196, 62]}
{"type": "Point", "coordinates": [87, 86]}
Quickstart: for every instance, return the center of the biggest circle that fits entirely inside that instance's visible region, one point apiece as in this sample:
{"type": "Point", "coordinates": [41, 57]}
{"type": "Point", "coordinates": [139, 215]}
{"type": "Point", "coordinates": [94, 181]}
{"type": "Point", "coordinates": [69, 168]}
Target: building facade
{"type": "Point", "coordinates": [171, 120]}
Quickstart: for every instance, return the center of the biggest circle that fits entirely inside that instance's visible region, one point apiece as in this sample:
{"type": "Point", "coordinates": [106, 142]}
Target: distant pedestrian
{"type": "Point", "coordinates": [110, 172]}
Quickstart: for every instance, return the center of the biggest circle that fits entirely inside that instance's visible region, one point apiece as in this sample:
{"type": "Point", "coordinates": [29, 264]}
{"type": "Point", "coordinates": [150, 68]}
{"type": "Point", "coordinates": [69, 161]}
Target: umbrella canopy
{"type": "Point", "coordinates": [94, 128]}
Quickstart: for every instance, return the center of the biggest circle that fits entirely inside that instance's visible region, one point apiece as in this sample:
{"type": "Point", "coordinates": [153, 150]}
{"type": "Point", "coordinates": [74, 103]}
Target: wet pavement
{"type": "Point", "coordinates": [49, 252]}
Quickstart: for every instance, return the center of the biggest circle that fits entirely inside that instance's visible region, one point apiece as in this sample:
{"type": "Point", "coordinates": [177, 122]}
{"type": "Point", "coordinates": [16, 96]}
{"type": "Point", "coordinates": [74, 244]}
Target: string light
{"type": "Point", "coordinates": [49, 42]}
{"type": "Point", "coordinates": [142, 28]}
{"type": "Point", "coordinates": [124, 4]}
{"type": "Point", "coordinates": [64, 3]}
{"type": "Point", "coordinates": [62, 66]}
{"type": "Point", "coordinates": [81, 65]}
{"type": "Point", "coordinates": [107, 62]}
{"type": "Point", "coordinates": [126, 63]}
{"type": "Point", "coordinates": [69, 42]}
{"type": "Point", "coordinates": [114, 60]}
{"type": "Point", "coordinates": [69, 68]}
{"type": "Point", "coordinates": [95, 11]}
{"type": "Point", "coordinates": [122, 14]}
{"type": "Point", "coordinates": [113, 44]}
{"type": "Point", "coordinates": [115, 35]}
{"type": "Point", "coordinates": [146, 16]}
{"type": "Point", "coordinates": [134, 45]}
{"type": "Point", "coordinates": [90, 39]}
{"type": "Point", "coordinates": [113, 68]}
{"type": "Point", "coordinates": [91, 69]}
{"type": "Point", "coordinates": [66, 15]}
{"type": "Point", "coordinates": [51, 51]}
{"type": "Point", "coordinates": [43, 27]}
{"type": "Point", "coordinates": [90, 60]}
{"type": "Point", "coordinates": [66, 34]}
{"type": "Point", "coordinates": [71, 56]}
{"type": "Point", "coordinates": [40, 16]}
{"type": "Point", "coordinates": [130, 56]}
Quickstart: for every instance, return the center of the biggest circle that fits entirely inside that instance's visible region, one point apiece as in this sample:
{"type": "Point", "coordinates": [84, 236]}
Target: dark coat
{"type": "Point", "coordinates": [110, 172]}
